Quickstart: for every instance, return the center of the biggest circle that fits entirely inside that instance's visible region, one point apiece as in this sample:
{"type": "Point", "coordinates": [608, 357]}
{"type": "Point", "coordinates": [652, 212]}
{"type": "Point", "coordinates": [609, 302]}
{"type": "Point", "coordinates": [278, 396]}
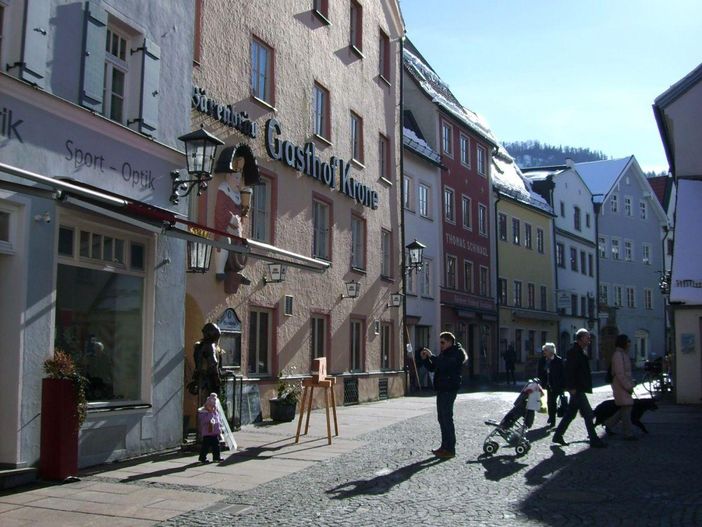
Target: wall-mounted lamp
{"type": "Point", "coordinates": [277, 272]}
{"type": "Point", "coordinates": [200, 150]}
{"type": "Point", "coordinates": [45, 217]}
{"type": "Point", "coordinates": [353, 288]}
{"type": "Point", "coordinates": [416, 256]}
{"type": "Point", "coordinates": [395, 300]}
{"type": "Point", "coordinates": [199, 256]}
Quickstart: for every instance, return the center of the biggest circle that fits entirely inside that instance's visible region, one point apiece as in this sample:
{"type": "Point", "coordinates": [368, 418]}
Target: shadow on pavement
{"type": "Point", "coordinates": [380, 484]}
{"type": "Point", "coordinates": [159, 473]}
{"type": "Point", "coordinates": [498, 467]}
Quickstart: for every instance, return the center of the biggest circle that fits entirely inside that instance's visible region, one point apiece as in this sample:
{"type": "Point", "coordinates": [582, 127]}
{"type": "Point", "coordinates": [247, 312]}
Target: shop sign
{"type": "Point", "coordinates": [225, 114]}
{"type": "Point", "coordinates": [304, 159]}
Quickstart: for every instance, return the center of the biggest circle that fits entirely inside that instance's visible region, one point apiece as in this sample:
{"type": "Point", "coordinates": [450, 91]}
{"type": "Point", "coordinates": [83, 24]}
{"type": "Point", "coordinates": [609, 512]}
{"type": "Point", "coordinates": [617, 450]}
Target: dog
{"type": "Point", "coordinates": [607, 409]}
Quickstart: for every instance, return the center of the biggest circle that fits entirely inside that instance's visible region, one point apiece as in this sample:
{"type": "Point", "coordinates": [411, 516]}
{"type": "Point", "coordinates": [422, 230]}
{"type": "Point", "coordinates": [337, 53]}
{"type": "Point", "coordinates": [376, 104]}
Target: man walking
{"type": "Point", "coordinates": [578, 382]}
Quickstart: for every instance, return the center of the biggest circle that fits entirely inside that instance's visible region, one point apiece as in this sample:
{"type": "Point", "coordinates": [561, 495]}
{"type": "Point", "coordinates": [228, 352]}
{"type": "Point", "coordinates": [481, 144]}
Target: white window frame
{"type": "Point", "coordinates": [602, 247]}
{"type": "Point", "coordinates": [646, 253]}
{"type": "Point", "coordinates": [321, 233]}
{"type": "Point", "coordinates": [8, 245]}
{"type": "Point", "coordinates": [122, 65]}
{"type": "Point", "coordinates": [467, 212]}
{"type": "Point", "coordinates": [320, 114]}
{"type": "Point", "coordinates": [261, 81]}
{"type": "Point", "coordinates": [648, 298]}
{"type": "Point", "coordinates": [615, 248]}
{"type": "Point", "coordinates": [423, 200]}
{"type": "Point", "coordinates": [261, 212]}
{"type": "Point", "coordinates": [481, 160]}
{"type": "Point", "coordinates": [617, 290]}
{"type": "Point", "coordinates": [628, 250]}
{"type": "Point", "coordinates": [449, 205]}
{"type": "Point", "coordinates": [358, 242]}
{"type": "Point", "coordinates": [614, 203]}
{"type": "Point", "coordinates": [451, 278]}
{"type": "Point", "coordinates": [631, 297]}
{"type": "Point", "coordinates": [482, 220]}
{"type": "Point", "coordinates": [408, 188]}
{"type": "Point", "coordinates": [628, 206]}
{"type": "Point", "coordinates": [426, 279]}
{"type": "Point", "coordinates": [643, 210]}
{"type": "Point", "coordinates": [464, 142]}
{"type": "Point", "coordinates": [356, 124]}
{"type": "Point", "coordinates": [604, 293]}
{"type": "Point", "coordinates": [254, 317]}
{"type": "Point", "coordinates": [447, 139]}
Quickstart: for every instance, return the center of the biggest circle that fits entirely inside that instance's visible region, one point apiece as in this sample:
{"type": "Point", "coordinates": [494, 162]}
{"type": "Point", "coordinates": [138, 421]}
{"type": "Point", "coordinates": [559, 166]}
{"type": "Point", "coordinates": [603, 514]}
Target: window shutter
{"type": "Point", "coordinates": [34, 46]}
{"type": "Point", "coordinates": [93, 73]}
{"type": "Point", "coordinates": [151, 73]}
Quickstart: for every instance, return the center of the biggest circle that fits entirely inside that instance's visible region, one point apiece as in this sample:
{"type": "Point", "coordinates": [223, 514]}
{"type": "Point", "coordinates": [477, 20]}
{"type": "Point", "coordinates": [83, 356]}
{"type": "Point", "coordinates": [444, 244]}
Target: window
{"type": "Point", "coordinates": [604, 294]}
{"type": "Point", "coordinates": [451, 272]}
{"type": "Point", "coordinates": [482, 160]}
{"type": "Point", "coordinates": [358, 242]}
{"type": "Point", "coordinates": [425, 284]}
{"type": "Point", "coordinates": [630, 297]}
{"type": "Point", "coordinates": [2, 28]}
{"type": "Point", "coordinates": [543, 300]}
{"type": "Point", "coordinates": [261, 212]}
{"type": "Point", "coordinates": [356, 137]}
{"type": "Point", "coordinates": [643, 210]}
{"type": "Point", "coordinates": [465, 150]}
{"type": "Point", "coordinates": [197, 33]}
{"type": "Point", "coordinates": [7, 231]}
{"type": "Point", "coordinates": [410, 284]}
{"type": "Point", "coordinates": [602, 247]}
{"type": "Point", "coordinates": [356, 345]}
{"type": "Point", "coordinates": [321, 111]}
{"type": "Point", "coordinates": [627, 205]}
{"type": "Point", "coordinates": [262, 71]}
{"type": "Point", "coordinates": [259, 341]}
{"type": "Point", "coordinates": [583, 259]}
{"type": "Point", "coordinates": [540, 240]}
{"type": "Point", "coordinates": [466, 213]}
{"type": "Point", "coordinates": [587, 220]}
{"type": "Point", "coordinates": [560, 255]}
{"type": "Point", "coordinates": [646, 253]}
{"type": "Point", "coordinates": [384, 56]}
{"type": "Point", "coordinates": [288, 306]}
{"type": "Point", "coordinates": [468, 276]}
{"type": "Point", "coordinates": [516, 229]}
{"type": "Point", "coordinates": [482, 220]}
{"type": "Point", "coordinates": [321, 231]}
{"type": "Point", "coordinates": [576, 218]}
{"type": "Point", "coordinates": [669, 247]}
{"type": "Point", "coordinates": [407, 191]}
{"type": "Point", "coordinates": [615, 249]}
{"type": "Point", "coordinates": [385, 345]}
{"type": "Point", "coordinates": [447, 139]}
{"type": "Point", "coordinates": [590, 265]}
{"type": "Point", "coordinates": [502, 226]}
{"type": "Point", "coordinates": [116, 68]}
{"type": "Point", "coordinates": [648, 299]}
{"type": "Point", "coordinates": [318, 336]}
{"type": "Point", "coordinates": [356, 27]}
{"type": "Point", "coordinates": [321, 7]}
{"type": "Point", "coordinates": [574, 305]}
{"type": "Point", "coordinates": [617, 296]}
{"type": "Point", "coordinates": [614, 203]}
{"type": "Point", "coordinates": [484, 281]}
{"type": "Point", "coordinates": [101, 312]}
{"type": "Point", "coordinates": [385, 250]}
{"type": "Point", "coordinates": [583, 306]}
{"type": "Point", "coordinates": [384, 157]}
{"type": "Point", "coordinates": [423, 200]}
{"type": "Point", "coordinates": [449, 211]}
{"type": "Point", "coordinates": [517, 293]}
{"type": "Point", "coordinates": [531, 296]}
{"type": "Point", "coordinates": [573, 259]}
{"type": "Point", "coordinates": [527, 236]}
{"type": "Point", "coordinates": [628, 250]}
{"type": "Point", "coordinates": [502, 293]}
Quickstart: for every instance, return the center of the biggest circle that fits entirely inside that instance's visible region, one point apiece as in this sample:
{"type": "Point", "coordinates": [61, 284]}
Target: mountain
{"type": "Point", "coordinates": [535, 154]}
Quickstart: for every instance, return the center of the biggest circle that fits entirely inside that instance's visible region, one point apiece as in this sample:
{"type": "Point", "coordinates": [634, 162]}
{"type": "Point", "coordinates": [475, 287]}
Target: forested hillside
{"type": "Point", "coordinates": [535, 154]}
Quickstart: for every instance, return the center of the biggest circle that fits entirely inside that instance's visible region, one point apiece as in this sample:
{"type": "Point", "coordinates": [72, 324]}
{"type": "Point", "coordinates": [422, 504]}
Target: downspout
{"type": "Point", "coordinates": [596, 208]}
{"type": "Point", "coordinates": [403, 314]}
{"type": "Point", "coordinates": [666, 297]}
{"type": "Point", "coordinates": [497, 302]}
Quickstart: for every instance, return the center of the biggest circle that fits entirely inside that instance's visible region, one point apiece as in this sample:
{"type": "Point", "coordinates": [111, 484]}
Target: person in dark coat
{"type": "Point", "coordinates": [447, 380]}
{"type": "Point", "coordinates": [551, 378]}
{"type": "Point", "coordinates": [578, 382]}
{"type": "Point", "coordinates": [206, 355]}
{"type": "Point", "coordinates": [510, 356]}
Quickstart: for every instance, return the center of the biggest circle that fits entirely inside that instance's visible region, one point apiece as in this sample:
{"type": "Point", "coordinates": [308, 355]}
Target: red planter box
{"type": "Point", "coordinates": [59, 430]}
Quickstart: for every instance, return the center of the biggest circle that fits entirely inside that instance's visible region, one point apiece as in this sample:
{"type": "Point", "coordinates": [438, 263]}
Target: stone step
{"type": "Point", "coordinates": [16, 477]}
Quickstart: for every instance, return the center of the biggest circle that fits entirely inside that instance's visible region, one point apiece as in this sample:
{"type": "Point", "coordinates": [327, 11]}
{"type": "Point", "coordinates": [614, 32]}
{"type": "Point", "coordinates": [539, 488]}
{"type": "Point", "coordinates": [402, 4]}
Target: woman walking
{"type": "Point", "coordinates": [622, 387]}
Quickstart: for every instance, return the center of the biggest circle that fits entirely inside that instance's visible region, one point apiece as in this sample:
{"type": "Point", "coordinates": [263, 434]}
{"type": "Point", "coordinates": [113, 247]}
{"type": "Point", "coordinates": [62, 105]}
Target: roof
{"type": "Point", "coordinates": [600, 176]}
{"type": "Point", "coordinates": [659, 185]}
{"type": "Point", "coordinates": [679, 88]}
{"type": "Point", "coordinates": [508, 179]}
{"type": "Point", "coordinates": [440, 94]}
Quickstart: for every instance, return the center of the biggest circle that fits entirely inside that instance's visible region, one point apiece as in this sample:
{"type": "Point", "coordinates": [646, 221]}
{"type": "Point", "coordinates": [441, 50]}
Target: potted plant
{"type": "Point", "coordinates": [63, 410]}
{"type": "Point", "coordinates": [288, 392]}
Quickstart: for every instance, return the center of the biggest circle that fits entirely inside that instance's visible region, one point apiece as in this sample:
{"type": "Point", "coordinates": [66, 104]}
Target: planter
{"type": "Point", "coordinates": [282, 411]}
{"type": "Point", "coordinates": [59, 430]}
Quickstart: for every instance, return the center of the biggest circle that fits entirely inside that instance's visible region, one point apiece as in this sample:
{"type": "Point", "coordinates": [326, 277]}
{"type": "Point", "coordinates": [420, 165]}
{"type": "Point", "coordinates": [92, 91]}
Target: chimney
{"type": "Point", "coordinates": [569, 162]}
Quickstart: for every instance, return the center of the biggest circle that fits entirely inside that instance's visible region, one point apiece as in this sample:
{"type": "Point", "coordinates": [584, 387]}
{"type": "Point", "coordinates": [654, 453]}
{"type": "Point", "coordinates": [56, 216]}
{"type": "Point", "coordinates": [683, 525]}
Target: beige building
{"type": "Point", "coordinates": [312, 87]}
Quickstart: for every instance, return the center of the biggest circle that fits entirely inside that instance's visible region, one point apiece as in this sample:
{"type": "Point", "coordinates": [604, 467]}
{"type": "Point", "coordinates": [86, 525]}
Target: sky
{"type": "Point", "coordinates": [580, 73]}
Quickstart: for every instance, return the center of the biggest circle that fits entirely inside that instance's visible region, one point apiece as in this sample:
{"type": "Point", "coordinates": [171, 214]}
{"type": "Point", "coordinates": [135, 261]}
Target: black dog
{"type": "Point", "coordinates": [607, 409]}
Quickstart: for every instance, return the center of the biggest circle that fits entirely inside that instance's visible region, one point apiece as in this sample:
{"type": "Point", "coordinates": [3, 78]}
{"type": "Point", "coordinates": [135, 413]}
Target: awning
{"type": "Point", "coordinates": [686, 276]}
{"type": "Point", "coordinates": [149, 217]}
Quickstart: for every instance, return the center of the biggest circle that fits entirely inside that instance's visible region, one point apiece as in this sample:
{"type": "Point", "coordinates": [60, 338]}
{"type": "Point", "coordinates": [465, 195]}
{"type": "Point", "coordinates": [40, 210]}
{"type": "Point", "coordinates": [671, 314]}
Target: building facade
{"type": "Point", "coordinates": [312, 89]}
{"type": "Point", "coordinates": [93, 101]}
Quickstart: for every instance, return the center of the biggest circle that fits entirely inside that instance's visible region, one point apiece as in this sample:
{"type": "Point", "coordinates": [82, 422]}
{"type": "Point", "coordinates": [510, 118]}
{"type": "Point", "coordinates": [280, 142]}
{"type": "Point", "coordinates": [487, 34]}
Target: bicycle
{"type": "Point", "coordinates": [655, 380]}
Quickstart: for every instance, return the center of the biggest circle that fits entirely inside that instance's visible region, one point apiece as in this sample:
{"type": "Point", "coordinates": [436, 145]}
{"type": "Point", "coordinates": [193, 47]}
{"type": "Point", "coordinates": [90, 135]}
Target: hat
{"type": "Point", "coordinates": [212, 399]}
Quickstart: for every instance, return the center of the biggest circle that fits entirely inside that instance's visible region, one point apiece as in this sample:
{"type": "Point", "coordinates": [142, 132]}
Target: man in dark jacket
{"type": "Point", "coordinates": [447, 380]}
{"type": "Point", "coordinates": [578, 382]}
{"type": "Point", "coordinates": [550, 372]}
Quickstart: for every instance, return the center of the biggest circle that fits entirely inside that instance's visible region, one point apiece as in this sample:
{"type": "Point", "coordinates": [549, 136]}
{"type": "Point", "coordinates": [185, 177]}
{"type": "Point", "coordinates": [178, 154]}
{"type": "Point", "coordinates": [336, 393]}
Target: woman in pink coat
{"type": "Point", "coordinates": [622, 387]}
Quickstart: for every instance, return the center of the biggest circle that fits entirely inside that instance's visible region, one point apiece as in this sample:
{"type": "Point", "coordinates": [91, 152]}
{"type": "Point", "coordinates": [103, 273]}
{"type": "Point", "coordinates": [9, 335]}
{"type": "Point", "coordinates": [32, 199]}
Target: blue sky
{"type": "Point", "coordinates": [580, 73]}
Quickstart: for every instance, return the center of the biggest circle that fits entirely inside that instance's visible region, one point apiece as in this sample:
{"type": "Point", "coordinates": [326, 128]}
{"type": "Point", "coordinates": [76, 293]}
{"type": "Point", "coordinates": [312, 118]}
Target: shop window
{"type": "Point", "coordinates": [259, 341]}
{"type": "Point", "coordinates": [318, 336]}
{"type": "Point", "coordinates": [262, 71]}
{"type": "Point", "coordinates": [356, 27]}
{"type": "Point", "coordinates": [322, 117]}
{"type": "Point", "coordinates": [100, 308]}
{"type": "Point", "coordinates": [358, 243]}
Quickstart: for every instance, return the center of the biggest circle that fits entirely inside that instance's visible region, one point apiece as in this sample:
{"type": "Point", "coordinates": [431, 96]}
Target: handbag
{"type": "Point", "coordinates": [562, 405]}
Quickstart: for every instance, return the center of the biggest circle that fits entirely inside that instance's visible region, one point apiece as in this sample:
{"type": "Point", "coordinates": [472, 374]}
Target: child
{"type": "Point", "coordinates": [528, 402]}
{"type": "Point", "coordinates": [210, 422]}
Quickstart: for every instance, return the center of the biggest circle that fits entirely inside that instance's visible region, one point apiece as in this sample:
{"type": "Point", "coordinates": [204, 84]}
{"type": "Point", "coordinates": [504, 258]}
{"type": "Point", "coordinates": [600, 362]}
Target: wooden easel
{"type": "Point", "coordinates": [318, 380]}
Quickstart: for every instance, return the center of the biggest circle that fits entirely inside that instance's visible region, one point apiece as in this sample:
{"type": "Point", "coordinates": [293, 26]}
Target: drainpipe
{"type": "Point", "coordinates": [666, 297]}
{"type": "Point", "coordinates": [497, 302]}
{"type": "Point", "coordinates": [596, 207]}
{"type": "Point", "coordinates": [403, 314]}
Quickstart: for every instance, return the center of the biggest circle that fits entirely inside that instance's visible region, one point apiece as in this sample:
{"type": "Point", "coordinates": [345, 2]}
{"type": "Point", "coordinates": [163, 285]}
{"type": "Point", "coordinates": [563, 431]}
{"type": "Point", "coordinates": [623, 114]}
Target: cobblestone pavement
{"type": "Point", "coordinates": [394, 479]}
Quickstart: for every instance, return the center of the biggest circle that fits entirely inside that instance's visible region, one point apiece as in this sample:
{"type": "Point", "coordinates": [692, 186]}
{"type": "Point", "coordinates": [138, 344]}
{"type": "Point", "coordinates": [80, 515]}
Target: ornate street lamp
{"type": "Point", "coordinates": [353, 288]}
{"type": "Point", "coordinates": [200, 150]}
{"type": "Point", "coordinates": [277, 272]}
{"type": "Point", "coordinates": [416, 256]}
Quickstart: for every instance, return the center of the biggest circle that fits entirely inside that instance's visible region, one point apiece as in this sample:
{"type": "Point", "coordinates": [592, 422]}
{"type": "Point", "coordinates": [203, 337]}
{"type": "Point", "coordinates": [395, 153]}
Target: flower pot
{"type": "Point", "coordinates": [282, 411]}
{"type": "Point", "coordinates": [58, 457]}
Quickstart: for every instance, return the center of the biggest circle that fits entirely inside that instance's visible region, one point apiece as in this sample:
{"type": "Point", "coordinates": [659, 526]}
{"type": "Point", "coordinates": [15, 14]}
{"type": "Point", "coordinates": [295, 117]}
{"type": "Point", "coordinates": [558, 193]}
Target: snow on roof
{"type": "Point", "coordinates": [600, 176]}
{"type": "Point", "coordinates": [411, 140]}
{"type": "Point", "coordinates": [440, 94]}
{"type": "Point", "coordinates": [509, 180]}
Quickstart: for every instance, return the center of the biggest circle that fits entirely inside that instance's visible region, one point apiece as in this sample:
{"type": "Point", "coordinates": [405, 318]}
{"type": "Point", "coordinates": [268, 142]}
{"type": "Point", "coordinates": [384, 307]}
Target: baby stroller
{"type": "Point", "coordinates": [512, 429]}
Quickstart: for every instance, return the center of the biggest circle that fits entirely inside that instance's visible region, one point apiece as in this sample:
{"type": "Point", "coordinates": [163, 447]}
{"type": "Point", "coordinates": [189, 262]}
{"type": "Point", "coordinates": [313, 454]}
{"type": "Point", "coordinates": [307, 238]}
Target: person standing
{"type": "Point", "coordinates": [447, 380]}
{"type": "Point", "coordinates": [206, 355]}
{"type": "Point", "coordinates": [510, 357]}
{"type": "Point", "coordinates": [622, 387]}
{"type": "Point", "coordinates": [578, 382]}
{"type": "Point", "coordinates": [550, 372]}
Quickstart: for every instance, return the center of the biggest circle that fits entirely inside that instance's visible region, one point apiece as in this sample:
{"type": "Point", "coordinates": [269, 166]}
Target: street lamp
{"type": "Point", "coordinates": [416, 256]}
{"type": "Point", "coordinates": [277, 272]}
{"type": "Point", "coordinates": [395, 300]}
{"type": "Point", "coordinates": [200, 150]}
{"type": "Point", "coordinates": [353, 288]}
{"type": "Point", "coordinates": [199, 256]}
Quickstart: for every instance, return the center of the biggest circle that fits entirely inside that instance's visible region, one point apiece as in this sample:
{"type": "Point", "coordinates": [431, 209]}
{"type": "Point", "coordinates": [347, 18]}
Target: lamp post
{"type": "Point", "coordinates": [200, 150]}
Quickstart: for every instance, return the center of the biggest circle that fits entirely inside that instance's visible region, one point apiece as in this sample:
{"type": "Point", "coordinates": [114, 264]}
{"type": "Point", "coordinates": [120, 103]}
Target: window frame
{"type": "Point", "coordinates": [387, 264]}
{"type": "Point", "coordinates": [386, 345]}
{"type": "Point", "coordinates": [481, 160]}
{"type": "Point", "coordinates": [423, 205]}
{"type": "Point", "coordinates": [255, 313]}
{"type": "Point", "coordinates": [321, 122]}
{"type": "Point", "coordinates": [615, 249]}
{"type": "Point", "coordinates": [502, 293]}
{"type": "Point", "coordinates": [560, 255]}
{"type": "Point", "coordinates": [359, 263]}
{"type": "Point", "coordinates": [482, 220]}
{"type": "Point", "coordinates": [357, 346]}
{"type": "Point", "coordinates": [646, 253]}
{"type": "Point", "coordinates": [450, 277]}
{"type": "Point", "coordinates": [628, 206]}
{"type": "Point", "coordinates": [528, 242]}
{"type": "Point", "coordinates": [540, 240]}
{"type": "Point", "coordinates": [268, 96]}
{"type": "Point", "coordinates": [517, 293]}
{"type": "Point", "coordinates": [502, 226]}
{"type": "Point", "coordinates": [384, 63]}
{"type": "Point", "coordinates": [356, 122]}
{"type": "Point", "coordinates": [468, 280]}
{"type": "Point", "coordinates": [516, 231]}
{"type": "Point", "coordinates": [426, 284]}
{"type": "Point", "coordinates": [318, 200]}
{"type": "Point", "coordinates": [447, 138]}
{"type": "Point", "coordinates": [268, 213]}
{"type": "Point", "coordinates": [356, 27]}
{"type": "Point", "coordinates": [484, 281]}
{"type": "Point", "coordinates": [573, 259]}
{"type": "Point", "coordinates": [315, 320]}
{"type": "Point", "coordinates": [449, 205]}
{"type": "Point", "coordinates": [467, 212]}
{"type": "Point", "coordinates": [121, 64]}
{"type": "Point", "coordinates": [643, 210]}
{"type": "Point", "coordinates": [577, 220]}
{"type": "Point", "coordinates": [628, 250]}
{"type": "Point", "coordinates": [464, 148]}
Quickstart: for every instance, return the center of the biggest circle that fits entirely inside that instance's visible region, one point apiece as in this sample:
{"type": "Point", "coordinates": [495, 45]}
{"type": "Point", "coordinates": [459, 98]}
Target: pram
{"type": "Point", "coordinates": [513, 426]}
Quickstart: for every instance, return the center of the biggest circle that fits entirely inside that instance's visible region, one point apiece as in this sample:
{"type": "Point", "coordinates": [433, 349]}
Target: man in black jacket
{"type": "Point", "coordinates": [550, 372]}
{"type": "Point", "coordinates": [578, 382]}
{"type": "Point", "coordinates": [447, 380]}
